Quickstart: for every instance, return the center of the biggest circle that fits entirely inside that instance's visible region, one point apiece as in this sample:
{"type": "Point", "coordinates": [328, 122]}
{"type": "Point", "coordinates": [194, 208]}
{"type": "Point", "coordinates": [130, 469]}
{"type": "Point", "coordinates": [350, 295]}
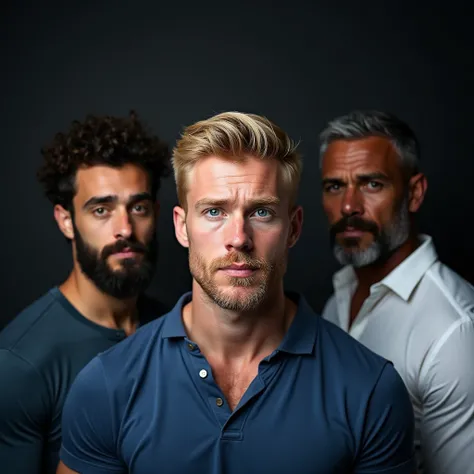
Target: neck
{"type": "Point", "coordinates": [98, 306]}
{"type": "Point", "coordinates": [377, 271]}
{"type": "Point", "coordinates": [227, 335]}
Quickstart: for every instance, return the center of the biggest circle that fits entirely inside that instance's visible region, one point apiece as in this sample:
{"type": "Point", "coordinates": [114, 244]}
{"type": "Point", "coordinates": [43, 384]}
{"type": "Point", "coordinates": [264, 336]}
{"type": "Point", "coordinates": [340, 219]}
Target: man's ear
{"type": "Point", "coordinates": [296, 226]}
{"type": "Point", "coordinates": [64, 221]}
{"type": "Point", "coordinates": [417, 188]}
{"type": "Point", "coordinates": [180, 229]}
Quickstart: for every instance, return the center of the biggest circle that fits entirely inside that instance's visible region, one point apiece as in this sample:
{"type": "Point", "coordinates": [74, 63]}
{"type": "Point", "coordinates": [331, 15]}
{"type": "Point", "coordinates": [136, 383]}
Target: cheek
{"type": "Point", "coordinates": [379, 210]}
{"type": "Point", "coordinates": [205, 238]}
{"type": "Point", "coordinates": [270, 240]}
{"type": "Point", "coordinates": [92, 233]}
{"type": "Point", "coordinates": [205, 232]}
{"type": "Point", "coordinates": [144, 229]}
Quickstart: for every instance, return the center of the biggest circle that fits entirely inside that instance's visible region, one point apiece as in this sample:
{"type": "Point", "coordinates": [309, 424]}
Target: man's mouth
{"type": "Point", "coordinates": [352, 232]}
{"type": "Point", "coordinates": [239, 270]}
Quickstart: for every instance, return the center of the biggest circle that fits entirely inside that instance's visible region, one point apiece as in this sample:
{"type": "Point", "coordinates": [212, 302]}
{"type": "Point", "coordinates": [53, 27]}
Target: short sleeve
{"type": "Point", "coordinates": [24, 411]}
{"type": "Point", "coordinates": [447, 424]}
{"type": "Point", "coordinates": [88, 435]}
{"type": "Point", "coordinates": [388, 441]}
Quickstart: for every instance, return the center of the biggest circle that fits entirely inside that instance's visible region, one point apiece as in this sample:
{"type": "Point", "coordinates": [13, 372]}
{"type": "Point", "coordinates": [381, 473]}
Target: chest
{"type": "Point", "coordinates": [234, 381]}
{"type": "Point", "coordinates": [281, 426]}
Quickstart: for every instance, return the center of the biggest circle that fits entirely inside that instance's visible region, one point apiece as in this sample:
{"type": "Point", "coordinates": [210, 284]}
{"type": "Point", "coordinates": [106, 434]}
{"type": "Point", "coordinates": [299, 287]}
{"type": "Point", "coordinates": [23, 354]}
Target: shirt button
{"type": "Point", "coordinates": [191, 346]}
{"type": "Point", "coordinates": [203, 373]}
{"type": "Point", "coordinates": [219, 402]}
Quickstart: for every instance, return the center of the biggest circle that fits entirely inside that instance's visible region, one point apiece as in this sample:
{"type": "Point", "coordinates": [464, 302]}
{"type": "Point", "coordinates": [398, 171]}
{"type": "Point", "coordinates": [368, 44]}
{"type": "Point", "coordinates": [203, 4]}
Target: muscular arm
{"type": "Point", "coordinates": [24, 412]}
{"type": "Point", "coordinates": [88, 429]}
{"type": "Point", "coordinates": [447, 424]}
{"type": "Point", "coordinates": [388, 441]}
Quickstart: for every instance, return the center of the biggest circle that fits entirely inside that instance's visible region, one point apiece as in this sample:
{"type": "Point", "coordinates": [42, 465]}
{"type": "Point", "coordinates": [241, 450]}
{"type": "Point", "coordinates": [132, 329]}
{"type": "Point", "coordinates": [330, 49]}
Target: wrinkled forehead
{"type": "Point", "coordinates": [239, 179]}
{"type": "Point", "coordinates": [364, 155]}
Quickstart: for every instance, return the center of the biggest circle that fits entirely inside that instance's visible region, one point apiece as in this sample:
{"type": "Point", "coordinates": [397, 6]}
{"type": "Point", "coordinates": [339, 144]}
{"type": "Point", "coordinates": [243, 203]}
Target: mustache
{"type": "Point", "coordinates": [122, 244]}
{"type": "Point", "coordinates": [355, 222]}
{"type": "Point", "coordinates": [238, 257]}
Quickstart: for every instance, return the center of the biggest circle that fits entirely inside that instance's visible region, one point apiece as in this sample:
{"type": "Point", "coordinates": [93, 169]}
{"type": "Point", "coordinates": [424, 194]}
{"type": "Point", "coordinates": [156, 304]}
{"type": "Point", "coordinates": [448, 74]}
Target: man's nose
{"type": "Point", "coordinates": [238, 234]}
{"type": "Point", "coordinates": [123, 227]}
{"type": "Point", "coordinates": [352, 203]}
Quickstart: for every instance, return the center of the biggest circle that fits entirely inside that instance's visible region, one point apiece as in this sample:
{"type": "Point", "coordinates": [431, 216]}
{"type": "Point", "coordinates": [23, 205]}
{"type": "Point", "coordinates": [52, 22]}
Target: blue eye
{"type": "Point", "coordinates": [213, 212]}
{"type": "Point", "coordinates": [262, 213]}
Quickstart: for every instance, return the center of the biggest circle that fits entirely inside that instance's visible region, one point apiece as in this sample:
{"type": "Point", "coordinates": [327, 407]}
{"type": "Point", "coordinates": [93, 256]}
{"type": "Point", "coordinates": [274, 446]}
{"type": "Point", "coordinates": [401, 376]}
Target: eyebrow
{"type": "Point", "coordinates": [110, 198]}
{"type": "Point", "coordinates": [263, 201]}
{"type": "Point", "coordinates": [360, 177]}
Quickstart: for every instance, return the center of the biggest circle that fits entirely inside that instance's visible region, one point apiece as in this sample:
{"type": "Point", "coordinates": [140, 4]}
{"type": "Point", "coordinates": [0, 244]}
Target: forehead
{"type": "Point", "coordinates": [228, 178]}
{"type": "Point", "coordinates": [361, 155]}
{"type": "Point", "coordinates": [108, 180]}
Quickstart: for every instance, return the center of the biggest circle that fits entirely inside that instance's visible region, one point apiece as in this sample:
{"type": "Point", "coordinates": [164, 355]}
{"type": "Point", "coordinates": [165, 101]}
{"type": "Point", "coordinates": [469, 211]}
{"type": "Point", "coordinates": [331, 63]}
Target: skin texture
{"type": "Point", "coordinates": [237, 212]}
{"type": "Point", "coordinates": [111, 204]}
{"type": "Point", "coordinates": [363, 180]}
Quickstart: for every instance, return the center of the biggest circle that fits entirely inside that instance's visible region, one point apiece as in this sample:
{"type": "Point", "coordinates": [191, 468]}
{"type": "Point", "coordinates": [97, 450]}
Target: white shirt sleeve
{"type": "Point", "coordinates": [447, 424]}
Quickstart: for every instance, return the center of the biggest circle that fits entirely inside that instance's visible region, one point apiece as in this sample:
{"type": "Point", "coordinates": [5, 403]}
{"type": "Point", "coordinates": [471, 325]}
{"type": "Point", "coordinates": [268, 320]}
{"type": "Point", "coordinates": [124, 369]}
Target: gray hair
{"type": "Point", "coordinates": [362, 124]}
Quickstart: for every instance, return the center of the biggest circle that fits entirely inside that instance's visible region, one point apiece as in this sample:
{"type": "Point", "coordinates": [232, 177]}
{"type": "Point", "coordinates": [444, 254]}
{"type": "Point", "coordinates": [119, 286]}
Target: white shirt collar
{"type": "Point", "coordinates": [403, 279]}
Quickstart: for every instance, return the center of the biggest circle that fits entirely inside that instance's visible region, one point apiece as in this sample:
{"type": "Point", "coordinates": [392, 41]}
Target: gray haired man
{"type": "Point", "coordinates": [393, 294]}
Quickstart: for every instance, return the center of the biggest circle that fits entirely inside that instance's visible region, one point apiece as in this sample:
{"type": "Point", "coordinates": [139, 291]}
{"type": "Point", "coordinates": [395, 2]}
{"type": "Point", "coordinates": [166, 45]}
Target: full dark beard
{"type": "Point", "coordinates": [130, 280]}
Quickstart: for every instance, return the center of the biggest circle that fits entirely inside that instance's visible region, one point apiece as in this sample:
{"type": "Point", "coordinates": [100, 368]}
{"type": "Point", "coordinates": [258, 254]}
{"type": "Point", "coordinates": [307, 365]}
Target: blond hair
{"type": "Point", "coordinates": [235, 135]}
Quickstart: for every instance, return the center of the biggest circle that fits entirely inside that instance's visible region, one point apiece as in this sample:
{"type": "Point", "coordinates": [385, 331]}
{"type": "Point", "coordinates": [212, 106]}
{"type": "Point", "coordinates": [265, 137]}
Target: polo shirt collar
{"type": "Point", "coordinates": [173, 325]}
{"type": "Point", "coordinates": [299, 339]}
{"type": "Point", "coordinates": [301, 335]}
{"type": "Point", "coordinates": [403, 279]}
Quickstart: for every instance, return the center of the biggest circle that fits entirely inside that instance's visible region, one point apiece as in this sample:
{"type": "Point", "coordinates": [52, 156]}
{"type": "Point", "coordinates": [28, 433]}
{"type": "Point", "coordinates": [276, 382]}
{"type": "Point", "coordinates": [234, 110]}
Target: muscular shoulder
{"type": "Point", "coordinates": [131, 355]}
{"type": "Point", "coordinates": [349, 361]}
{"type": "Point", "coordinates": [448, 296]}
{"type": "Point", "coordinates": [32, 337]}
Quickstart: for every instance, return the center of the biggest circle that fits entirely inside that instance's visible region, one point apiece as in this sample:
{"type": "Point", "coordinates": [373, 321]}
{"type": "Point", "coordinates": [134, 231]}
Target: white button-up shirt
{"type": "Point", "coordinates": [421, 317]}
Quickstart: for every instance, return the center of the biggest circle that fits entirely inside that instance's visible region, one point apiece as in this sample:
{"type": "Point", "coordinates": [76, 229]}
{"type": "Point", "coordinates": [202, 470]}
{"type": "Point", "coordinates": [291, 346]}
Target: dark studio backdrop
{"type": "Point", "coordinates": [299, 63]}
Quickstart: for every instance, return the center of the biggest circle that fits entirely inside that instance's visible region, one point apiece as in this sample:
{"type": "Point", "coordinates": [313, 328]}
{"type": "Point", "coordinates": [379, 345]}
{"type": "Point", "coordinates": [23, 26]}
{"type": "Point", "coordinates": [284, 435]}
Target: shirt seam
{"type": "Point", "coordinates": [26, 361]}
{"type": "Point", "coordinates": [463, 318]}
{"type": "Point", "coordinates": [46, 310]}
{"type": "Point", "coordinates": [442, 287]}
{"type": "Point", "coordinates": [439, 345]}
{"type": "Point", "coordinates": [40, 375]}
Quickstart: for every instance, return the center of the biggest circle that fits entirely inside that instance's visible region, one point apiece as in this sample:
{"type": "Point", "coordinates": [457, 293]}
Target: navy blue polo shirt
{"type": "Point", "coordinates": [321, 403]}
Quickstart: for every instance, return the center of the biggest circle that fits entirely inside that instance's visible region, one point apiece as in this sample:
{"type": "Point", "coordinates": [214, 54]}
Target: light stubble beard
{"type": "Point", "coordinates": [260, 285]}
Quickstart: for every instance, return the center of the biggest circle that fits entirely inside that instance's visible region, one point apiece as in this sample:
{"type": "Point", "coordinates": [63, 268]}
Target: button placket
{"type": "Point", "coordinates": [205, 383]}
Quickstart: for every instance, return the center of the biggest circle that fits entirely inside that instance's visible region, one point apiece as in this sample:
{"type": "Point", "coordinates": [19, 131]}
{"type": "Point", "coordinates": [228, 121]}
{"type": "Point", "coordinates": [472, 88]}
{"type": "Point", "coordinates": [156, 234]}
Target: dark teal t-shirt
{"type": "Point", "coordinates": [41, 352]}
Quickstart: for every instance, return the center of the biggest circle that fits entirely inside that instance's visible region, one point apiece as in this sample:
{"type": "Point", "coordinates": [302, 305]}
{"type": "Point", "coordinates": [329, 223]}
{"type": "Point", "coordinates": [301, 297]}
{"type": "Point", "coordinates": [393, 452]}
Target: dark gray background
{"type": "Point", "coordinates": [299, 63]}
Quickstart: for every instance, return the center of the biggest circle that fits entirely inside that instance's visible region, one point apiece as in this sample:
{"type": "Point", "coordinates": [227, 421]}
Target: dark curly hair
{"type": "Point", "coordinates": [100, 140]}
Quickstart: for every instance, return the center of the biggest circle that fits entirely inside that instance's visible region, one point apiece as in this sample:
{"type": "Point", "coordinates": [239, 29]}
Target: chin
{"type": "Point", "coordinates": [237, 292]}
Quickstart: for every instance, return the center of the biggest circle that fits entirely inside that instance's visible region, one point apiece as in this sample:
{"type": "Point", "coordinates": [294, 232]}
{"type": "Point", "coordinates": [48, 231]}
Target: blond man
{"type": "Point", "coordinates": [241, 376]}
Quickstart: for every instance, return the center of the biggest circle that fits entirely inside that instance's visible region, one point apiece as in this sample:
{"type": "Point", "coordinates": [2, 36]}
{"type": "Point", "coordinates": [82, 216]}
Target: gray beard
{"type": "Point", "coordinates": [386, 242]}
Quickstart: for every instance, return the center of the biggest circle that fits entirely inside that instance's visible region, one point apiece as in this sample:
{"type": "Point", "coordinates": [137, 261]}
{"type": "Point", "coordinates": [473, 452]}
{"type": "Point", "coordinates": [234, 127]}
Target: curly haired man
{"type": "Point", "coordinates": [102, 178]}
